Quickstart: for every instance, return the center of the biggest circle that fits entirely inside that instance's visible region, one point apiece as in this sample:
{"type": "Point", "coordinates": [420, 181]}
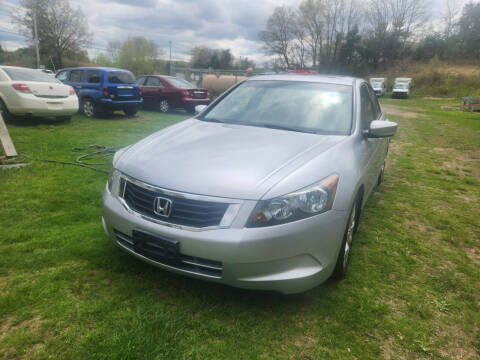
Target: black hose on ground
{"type": "Point", "coordinates": [84, 159]}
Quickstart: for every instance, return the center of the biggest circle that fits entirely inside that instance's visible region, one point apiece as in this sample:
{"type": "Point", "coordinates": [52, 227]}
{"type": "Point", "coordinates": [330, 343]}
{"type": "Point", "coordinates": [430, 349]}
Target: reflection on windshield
{"type": "Point", "coordinates": [294, 105]}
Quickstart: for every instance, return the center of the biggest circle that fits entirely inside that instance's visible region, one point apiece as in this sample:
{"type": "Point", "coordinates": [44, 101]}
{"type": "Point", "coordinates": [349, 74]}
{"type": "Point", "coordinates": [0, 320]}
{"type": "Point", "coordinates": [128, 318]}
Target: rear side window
{"type": "Point", "coordinates": [62, 75]}
{"type": "Point", "coordinates": [141, 80]}
{"type": "Point", "coordinates": [180, 83]}
{"type": "Point", "coordinates": [19, 74]}
{"type": "Point", "coordinates": [121, 77]}
{"type": "Point", "coordinates": [76, 76]}
{"type": "Point", "coordinates": [93, 76]}
{"type": "Point", "coordinates": [154, 81]}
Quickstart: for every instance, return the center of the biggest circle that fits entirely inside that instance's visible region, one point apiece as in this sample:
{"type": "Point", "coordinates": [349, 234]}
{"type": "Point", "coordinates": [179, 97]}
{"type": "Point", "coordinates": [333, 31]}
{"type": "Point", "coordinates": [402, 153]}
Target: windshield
{"type": "Point", "coordinates": [376, 85]}
{"type": "Point", "coordinates": [401, 86]}
{"type": "Point", "coordinates": [121, 77]}
{"type": "Point", "coordinates": [289, 105]}
{"type": "Point", "coordinates": [18, 74]}
{"type": "Point", "coordinates": [180, 83]}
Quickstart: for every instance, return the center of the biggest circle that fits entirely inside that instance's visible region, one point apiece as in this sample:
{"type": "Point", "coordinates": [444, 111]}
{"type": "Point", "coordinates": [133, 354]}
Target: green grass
{"type": "Point", "coordinates": [413, 290]}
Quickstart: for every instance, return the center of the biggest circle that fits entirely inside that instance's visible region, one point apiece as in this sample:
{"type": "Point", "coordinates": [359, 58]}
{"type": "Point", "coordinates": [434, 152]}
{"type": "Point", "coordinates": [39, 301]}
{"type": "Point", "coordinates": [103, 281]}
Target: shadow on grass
{"type": "Point", "coordinates": [162, 284]}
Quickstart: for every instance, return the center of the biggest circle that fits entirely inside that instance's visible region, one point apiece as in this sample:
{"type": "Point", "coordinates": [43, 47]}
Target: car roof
{"type": "Point", "coordinates": [93, 68]}
{"type": "Point", "coordinates": [325, 79]}
{"type": "Point", "coordinates": [159, 75]}
{"type": "Point", "coordinates": [16, 67]}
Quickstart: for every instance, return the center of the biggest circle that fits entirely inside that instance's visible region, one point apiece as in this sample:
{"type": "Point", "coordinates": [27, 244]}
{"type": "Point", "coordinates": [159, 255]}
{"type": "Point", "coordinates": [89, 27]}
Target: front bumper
{"type": "Point", "coordinates": [400, 94]}
{"type": "Point", "coordinates": [288, 258]}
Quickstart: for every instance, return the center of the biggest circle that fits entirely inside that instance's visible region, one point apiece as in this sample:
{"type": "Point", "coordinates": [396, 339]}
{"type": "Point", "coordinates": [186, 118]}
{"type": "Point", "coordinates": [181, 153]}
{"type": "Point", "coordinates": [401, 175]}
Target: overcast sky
{"type": "Point", "coordinates": [232, 24]}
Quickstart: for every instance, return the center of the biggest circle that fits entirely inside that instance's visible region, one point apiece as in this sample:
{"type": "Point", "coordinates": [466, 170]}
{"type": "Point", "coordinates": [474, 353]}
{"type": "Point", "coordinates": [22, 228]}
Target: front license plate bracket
{"type": "Point", "coordinates": [160, 249]}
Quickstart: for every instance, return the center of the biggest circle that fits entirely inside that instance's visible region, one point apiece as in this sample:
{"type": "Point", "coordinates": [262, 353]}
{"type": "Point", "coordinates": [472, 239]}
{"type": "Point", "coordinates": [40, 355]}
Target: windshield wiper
{"type": "Point", "coordinates": [288, 128]}
{"type": "Point", "coordinates": [211, 120]}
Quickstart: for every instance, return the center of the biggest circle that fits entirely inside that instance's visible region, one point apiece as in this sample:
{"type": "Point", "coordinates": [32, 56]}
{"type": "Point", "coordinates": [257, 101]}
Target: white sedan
{"type": "Point", "coordinates": [28, 92]}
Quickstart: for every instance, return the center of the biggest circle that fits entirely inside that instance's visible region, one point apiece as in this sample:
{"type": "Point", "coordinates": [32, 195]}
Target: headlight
{"type": "Point", "coordinates": [113, 183]}
{"type": "Point", "coordinates": [301, 204]}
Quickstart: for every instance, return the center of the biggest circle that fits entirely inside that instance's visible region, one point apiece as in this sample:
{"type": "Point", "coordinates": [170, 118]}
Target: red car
{"type": "Point", "coordinates": [167, 92]}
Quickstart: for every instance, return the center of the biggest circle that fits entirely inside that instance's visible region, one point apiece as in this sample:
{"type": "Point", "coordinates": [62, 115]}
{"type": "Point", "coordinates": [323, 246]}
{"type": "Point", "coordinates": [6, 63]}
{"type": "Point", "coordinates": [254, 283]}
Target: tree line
{"type": "Point", "coordinates": [349, 36]}
{"type": "Point", "coordinates": [342, 36]}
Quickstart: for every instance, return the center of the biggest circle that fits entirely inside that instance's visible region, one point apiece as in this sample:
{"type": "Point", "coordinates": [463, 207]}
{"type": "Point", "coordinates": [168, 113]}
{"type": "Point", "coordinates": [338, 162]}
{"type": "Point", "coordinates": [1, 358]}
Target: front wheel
{"type": "Point", "coordinates": [164, 106]}
{"type": "Point", "coordinates": [344, 256]}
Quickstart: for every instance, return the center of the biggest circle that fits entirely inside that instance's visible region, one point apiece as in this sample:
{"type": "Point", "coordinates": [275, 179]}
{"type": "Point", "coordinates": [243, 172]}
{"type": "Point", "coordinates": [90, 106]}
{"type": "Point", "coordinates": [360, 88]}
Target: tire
{"type": "Point", "coordinates": [7, 115]}
{"type": "Point", "coordinates": [89, 109]}
{"type": "Point", "coordinates": [164, 106]}
{"type": "Point", "coordinates": [131, 112]}
{"type": "Point", "coordinates": [345, 253]}
{"type": "Point", "coordinates": [380, 176]}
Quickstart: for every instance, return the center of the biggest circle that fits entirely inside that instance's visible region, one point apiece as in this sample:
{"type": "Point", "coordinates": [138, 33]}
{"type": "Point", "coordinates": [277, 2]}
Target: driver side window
{"type": "Point", "coordinates": [367, 110]}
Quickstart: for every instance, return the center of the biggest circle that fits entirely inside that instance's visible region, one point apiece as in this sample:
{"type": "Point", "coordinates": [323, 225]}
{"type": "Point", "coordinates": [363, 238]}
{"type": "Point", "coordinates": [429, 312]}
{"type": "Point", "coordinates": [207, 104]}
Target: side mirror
{"type": "Point", "coordinates": [199, 109]}
{"type": "Point", "coordinates": [382, 128]}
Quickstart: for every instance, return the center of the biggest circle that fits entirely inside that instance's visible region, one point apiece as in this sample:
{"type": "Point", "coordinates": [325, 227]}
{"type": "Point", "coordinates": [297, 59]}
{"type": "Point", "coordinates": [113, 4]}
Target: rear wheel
{"type": "Point", "coordinates": [89, 108]}
{"type": "Point", "coordinates": [344, 256]}
{"type": "Point", "coordinates": [130, 112]}
{"type": "Point", "coordinates": [7, 115]}
{"type": "Point", "coordinates": [164, 106]}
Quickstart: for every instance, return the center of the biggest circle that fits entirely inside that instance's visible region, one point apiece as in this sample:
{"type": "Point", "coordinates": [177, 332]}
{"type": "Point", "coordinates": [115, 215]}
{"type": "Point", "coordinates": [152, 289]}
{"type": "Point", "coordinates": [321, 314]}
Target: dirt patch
{"type": "Point", "coordinates": [463, 163]}
{"type": "Point", "coordinates": [5, 325]}
{"type": "Point", "coordinates": [473, 254]}
{"type": "Point", "coordinates": [456, 348]}
{"type": "Point", "coordinates": [32, 325]}
{"type": "Point", "coordinates": [417, 226]}
{"type": "Point", "coordinates": [390, 350]}
{"type": "Point", "coordinates": [437, 98]}
{"type": "Point", "coordinates": [401, 112]}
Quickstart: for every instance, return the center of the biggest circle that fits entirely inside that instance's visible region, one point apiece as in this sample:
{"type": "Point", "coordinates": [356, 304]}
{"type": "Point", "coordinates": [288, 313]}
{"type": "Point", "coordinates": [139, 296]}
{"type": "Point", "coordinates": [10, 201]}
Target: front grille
{"type": "Point", "coordinates": [189, 263]}
{"type": "Point", "coordinates": [187, 212]}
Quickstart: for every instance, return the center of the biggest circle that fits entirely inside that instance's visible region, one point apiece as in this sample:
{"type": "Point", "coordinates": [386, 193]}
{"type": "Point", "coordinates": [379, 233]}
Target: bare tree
{"type": "Point", "coordinates": [452, 11]}
{"type": "Point", "coordinates": [113, 48]}
{"type": "Point", "coordinates": [311, 14]}
{"type": "Point", "coordinates": [61, 29]}
{"type": "Point", "coordinates": [278, 38]}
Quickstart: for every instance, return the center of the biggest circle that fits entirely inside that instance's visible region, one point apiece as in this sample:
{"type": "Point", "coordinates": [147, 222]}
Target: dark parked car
{"type": "Point", "coordinates": [103, 90]}
{"type": "Point", "coordinates": [168, 92]}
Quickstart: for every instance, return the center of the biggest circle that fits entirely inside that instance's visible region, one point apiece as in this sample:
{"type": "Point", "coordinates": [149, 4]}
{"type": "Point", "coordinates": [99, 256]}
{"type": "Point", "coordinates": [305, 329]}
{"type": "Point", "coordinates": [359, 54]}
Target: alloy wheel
{"type": "Point", "coordinates": [164, 106]}
{"type": "Point", "coordinates": [350, 230]}
{"type": "Point", "coordinates": [88, 108]}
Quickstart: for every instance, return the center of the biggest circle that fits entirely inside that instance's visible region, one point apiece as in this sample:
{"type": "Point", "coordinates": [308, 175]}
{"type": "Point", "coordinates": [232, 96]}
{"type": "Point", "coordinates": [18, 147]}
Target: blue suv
{"type": "Point", "coordinates": [103, 90]}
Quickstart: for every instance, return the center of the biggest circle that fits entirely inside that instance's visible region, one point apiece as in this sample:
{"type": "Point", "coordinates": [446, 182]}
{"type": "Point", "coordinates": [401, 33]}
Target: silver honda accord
{"type": "Point", "coordinates": [262, 189]}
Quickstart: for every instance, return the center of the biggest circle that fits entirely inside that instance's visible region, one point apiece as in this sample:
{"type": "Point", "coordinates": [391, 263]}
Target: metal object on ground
{"type": "Point", "coordinates": [471, 103]}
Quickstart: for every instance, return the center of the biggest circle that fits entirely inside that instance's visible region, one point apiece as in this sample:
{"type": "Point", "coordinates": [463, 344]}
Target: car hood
{"type": "Point", "coordinates": [223, 160]}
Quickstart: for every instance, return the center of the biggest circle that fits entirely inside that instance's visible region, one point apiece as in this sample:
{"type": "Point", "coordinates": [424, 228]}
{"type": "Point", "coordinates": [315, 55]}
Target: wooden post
{"type": "Point", "coordinates": [5, 140]}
